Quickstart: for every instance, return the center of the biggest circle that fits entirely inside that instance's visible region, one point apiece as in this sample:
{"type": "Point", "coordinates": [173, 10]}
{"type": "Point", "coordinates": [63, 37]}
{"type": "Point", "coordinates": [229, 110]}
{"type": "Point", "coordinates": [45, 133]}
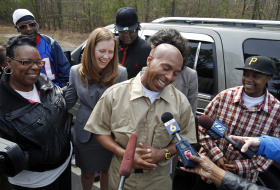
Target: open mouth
{"type": "Point", "coordinates": [161, 82]}
{"type": "Point", "coordinates": [249, 85]}
{"type": "Point", "coordinates": [32, 75]}
{"type": "Point", "coordinates": [102, 62]}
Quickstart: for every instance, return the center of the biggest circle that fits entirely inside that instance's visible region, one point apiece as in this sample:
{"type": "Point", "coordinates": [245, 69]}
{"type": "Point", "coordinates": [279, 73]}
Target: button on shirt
{"type": "Point", "coordinates": [229, 108]}
{"type": "Point", "coordinates": [124, 110]}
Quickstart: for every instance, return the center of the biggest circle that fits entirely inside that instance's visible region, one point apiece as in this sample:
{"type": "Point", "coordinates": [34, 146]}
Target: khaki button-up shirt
{"type": "Point", "coordinates": [124, 110]}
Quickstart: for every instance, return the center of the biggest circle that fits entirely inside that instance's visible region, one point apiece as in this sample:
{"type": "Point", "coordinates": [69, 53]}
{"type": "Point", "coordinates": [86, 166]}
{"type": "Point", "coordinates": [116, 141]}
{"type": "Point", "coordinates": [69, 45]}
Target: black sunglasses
{"type": "Point", "coordinates": [24, 26]}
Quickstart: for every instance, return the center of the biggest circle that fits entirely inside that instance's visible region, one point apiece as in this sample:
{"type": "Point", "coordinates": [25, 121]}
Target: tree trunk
{"type": "Point", "coordinates": [256, 10]}
{"type": "Point", "coordinates": [53, 15]}
{"type": "Point", "coordinates": [59, 14]}
{"type": "Point", "coordinates": [278, 10]}
{"type": "Point", "coordinates": [244, 8]}
{"type": "Point", "coordinates": [172, 8]}
{"type": "Point", "coordinates": [147, 11]}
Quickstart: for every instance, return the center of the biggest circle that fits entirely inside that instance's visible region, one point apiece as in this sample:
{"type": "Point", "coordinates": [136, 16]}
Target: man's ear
{"type": "Point", "coordinates": [17, 29]}
{"type": "Point", "coordinates": [149, 59]}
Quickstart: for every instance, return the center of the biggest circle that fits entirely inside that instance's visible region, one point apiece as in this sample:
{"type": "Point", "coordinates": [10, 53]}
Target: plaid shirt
{"type": "Point", "coordinates": [229, 108]}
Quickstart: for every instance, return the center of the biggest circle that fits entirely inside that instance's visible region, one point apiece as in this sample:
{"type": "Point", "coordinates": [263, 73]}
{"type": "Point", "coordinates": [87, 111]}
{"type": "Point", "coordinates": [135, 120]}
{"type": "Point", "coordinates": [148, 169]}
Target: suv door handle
{"type": "Point", "coordinates": [204, 96]}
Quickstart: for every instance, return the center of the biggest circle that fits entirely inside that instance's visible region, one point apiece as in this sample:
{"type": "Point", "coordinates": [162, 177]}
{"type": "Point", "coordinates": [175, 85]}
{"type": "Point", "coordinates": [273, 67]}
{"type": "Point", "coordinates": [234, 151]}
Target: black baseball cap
{"type": "Point", "coordinates": [260, 64]}
{"type": "Point", "coordinates": [126, 19]}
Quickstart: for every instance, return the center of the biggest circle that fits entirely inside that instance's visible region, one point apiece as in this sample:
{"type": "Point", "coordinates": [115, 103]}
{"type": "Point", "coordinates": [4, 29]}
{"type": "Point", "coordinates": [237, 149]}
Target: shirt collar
{"type": "Point", "coordinates": [38, 39]}
{"type": "Point", "coordinates": [266, 105]}
{"type": "Point", "coordinates": [137, 91]}
{"type": "Point", "coordinates": [238, 95]}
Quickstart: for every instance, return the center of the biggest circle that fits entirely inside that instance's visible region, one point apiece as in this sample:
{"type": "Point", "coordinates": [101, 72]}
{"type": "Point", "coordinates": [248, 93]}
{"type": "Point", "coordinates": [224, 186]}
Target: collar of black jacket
{"type": "Point", "coordinates": [11, 100]}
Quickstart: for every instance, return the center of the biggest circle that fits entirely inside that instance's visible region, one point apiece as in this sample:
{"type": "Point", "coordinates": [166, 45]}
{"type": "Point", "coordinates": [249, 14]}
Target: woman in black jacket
{"type": "Point", "coordinates": [33, 115]}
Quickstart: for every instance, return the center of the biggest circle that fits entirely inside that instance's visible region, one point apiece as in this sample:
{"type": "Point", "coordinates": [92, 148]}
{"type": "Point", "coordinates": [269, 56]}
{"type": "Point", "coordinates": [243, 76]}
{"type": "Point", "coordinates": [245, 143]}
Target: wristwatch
{"type": "Point", "coordinates": [167, 154]}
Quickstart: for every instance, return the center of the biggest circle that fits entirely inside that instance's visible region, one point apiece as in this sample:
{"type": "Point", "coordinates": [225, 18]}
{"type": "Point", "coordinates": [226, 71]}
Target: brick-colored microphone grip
{"type": "Point", "coordinates": [128, 157]}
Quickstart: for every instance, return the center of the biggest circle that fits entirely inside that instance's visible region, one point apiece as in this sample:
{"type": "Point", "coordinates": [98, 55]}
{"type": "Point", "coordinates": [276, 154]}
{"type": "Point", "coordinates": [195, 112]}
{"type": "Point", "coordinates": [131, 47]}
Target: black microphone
{"type": "Point", "coordinates": [216, 129]}
{"type": "Point", "coordinates": [182, 146]}
{"type": "Point", "coordinates": [127, 161]}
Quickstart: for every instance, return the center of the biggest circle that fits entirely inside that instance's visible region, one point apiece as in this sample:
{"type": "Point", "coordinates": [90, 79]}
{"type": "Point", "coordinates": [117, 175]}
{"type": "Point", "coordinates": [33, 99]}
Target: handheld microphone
{"type": "Point", "coordinates": [216, 129]}
{"type": "Point", "coordinates": [127, 161]}
{"type": "Point", "coordinates": [182, 146]}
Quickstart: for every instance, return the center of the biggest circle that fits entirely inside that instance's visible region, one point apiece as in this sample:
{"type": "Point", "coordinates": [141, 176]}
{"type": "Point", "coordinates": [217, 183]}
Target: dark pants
{"type": "Point", "coordinates": [63, 182]}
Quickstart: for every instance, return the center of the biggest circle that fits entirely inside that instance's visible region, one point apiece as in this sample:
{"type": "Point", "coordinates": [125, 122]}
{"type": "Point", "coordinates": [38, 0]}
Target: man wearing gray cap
{"type": "Point", "coordinates": [248, 110]}
{"type": "Point", "coordinates": [56, 65]}
{"type": "Point", "coordinates": [133, 51]}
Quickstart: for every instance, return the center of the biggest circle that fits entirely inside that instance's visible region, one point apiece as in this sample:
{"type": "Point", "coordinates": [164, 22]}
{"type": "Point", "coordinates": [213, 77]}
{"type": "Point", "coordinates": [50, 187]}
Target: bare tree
{"type": "Point", "coordinates": [256, 10]}
{"type": "Point", "coordinates": [172, 8]}
{"type": "Point", "coordinates": [147, 10]}
{"type": "Point", "coordinates": [244, 9]}
{"type": "Point", "coordinates": [52, 15]}
{"type": "Point", "coordinates": [278, 10]}
{"type": "Point", "coordinates": [59, 16]}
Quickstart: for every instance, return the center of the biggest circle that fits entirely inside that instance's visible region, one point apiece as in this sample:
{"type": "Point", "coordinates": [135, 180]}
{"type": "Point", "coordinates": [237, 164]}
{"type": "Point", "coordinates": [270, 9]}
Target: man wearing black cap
{"type": "Point", "coordinates": [56, 65]}
{"type": "Point", "coordinates": [133, 51]}
{"type": "Point", "coordinates": [248, 110]}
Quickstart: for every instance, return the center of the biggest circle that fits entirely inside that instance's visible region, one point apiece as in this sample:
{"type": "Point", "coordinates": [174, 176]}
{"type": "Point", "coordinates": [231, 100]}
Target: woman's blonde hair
{"type": "Point", "coordinates": [89, 68]}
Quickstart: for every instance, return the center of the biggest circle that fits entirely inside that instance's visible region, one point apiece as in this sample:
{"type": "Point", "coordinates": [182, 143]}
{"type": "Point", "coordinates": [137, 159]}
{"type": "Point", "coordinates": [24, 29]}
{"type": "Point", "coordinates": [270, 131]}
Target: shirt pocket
{"type": "Point", "coordinates": [161, 138]}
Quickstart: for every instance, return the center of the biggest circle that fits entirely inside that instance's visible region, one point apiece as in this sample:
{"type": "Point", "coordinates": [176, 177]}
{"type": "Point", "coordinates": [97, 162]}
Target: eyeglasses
{"type": "Point", "coordinates": [129, 31]}
{"type": "Point", "coordinates": [30, 63]}
{"type": "Point", "coordinates": [24, 26]}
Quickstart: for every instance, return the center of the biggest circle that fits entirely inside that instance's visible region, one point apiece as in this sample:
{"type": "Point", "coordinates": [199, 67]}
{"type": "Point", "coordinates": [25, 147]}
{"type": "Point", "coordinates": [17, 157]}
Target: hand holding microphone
{"type": "Point", "coordinates": [252, 142]}
{"type": "Point", "coordinates": [182, 146]}
{"type": "Point", "coordinates": [216, 129]}
{"type": "Point", "coordinates": [206, 168]}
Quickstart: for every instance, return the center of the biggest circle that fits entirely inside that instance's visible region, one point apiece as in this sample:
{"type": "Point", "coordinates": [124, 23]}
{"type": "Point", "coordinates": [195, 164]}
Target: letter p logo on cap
{"type": "Point", "coordinates": [253, 60]}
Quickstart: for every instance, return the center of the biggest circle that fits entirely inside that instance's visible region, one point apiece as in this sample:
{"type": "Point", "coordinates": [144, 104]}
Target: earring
{"type": "Point", "coordinates": [6, 69]}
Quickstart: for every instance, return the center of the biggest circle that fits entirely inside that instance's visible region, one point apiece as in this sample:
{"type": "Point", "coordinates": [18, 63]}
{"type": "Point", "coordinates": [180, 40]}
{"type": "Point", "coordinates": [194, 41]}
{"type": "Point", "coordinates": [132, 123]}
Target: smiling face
{"type": "Point", "coordinates": [104, 52]}
{"type": "Point", "coordinates": [128, 37]}
{"type": "Point", "coordinates": [30, 28]}
{"type": "Point", "coordinates": [254, 82]}
{"type": "Point", "coordinates": [23, 77]}
{"type": "Point", "coordinates": [163, 66]}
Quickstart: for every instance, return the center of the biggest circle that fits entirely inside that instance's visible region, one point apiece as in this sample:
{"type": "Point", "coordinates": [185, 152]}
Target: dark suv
{"type": "Point", "coordinates": [217, 47]}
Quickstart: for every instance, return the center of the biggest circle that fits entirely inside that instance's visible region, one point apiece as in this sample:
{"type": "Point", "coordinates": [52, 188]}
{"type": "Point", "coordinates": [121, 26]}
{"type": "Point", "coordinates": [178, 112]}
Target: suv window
{"type": "Point", "coordinates": [202, 60]}
{"type": "Point", "coordinates": [269, 48]}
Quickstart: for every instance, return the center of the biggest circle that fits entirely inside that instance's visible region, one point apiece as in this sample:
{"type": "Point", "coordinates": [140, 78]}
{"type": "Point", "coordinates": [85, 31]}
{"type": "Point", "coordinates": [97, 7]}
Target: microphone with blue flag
{"type": "Point", "coordinates": [182, 146]}
{"type": "Point", "coordinates": [216, 129]}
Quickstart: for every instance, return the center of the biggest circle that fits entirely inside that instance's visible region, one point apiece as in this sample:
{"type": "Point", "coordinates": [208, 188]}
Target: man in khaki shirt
{"type": "Point", "coordinates": [135, 106]}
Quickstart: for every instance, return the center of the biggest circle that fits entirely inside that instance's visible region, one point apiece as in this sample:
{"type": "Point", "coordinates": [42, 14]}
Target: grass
{"type": "Point", "coordinates": [64, 38]}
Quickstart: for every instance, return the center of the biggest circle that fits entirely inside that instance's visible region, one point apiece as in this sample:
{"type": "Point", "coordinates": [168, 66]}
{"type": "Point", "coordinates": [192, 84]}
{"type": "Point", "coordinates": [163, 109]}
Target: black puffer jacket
{"type": "Point", "coordinates": [42, 130]}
